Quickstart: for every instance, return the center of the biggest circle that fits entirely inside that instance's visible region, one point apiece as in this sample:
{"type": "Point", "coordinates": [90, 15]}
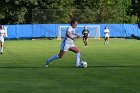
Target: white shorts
{"type": "Point", "coordinates": [1, 39]}
{"type": "Point", "coordinates": [65, 46]}
{"type": "Point", "coordinates": [106, 36]}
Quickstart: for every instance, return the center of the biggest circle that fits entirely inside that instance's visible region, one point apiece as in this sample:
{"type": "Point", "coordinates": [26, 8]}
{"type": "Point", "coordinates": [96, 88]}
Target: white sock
{"type": "Point", "coordinates": [77, 59]}
{"type": "Point", "coordinates": [1, 49]}
{"type": "Point", "coordinates": [53, 58]}
{"type": "Point", "coordinates": [105, 42]}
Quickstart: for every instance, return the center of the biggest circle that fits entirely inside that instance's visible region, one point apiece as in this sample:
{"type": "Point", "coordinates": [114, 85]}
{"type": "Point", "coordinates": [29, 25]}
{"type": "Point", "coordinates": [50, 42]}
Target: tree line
{"type": "Point", "coordinates": [61, 11]}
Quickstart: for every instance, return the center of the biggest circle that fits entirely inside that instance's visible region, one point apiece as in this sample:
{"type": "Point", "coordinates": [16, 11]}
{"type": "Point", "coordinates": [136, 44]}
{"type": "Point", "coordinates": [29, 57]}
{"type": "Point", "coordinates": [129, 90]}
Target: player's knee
{"type": "Point", "coordinates": [60, 56]}
{"type": "Point", "coordinates": [78, 51]}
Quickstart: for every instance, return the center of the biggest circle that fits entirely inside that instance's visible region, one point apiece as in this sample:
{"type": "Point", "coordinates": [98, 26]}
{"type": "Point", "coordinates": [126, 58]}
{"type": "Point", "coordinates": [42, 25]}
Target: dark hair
{"type": "Point", "coordinates": [73, 21]}
{"type": "Point", "coordinates": [106, 27]}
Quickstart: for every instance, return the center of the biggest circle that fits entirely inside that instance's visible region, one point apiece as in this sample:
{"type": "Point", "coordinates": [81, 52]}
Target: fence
{"type": "Point", "coordinates": [51, 30]}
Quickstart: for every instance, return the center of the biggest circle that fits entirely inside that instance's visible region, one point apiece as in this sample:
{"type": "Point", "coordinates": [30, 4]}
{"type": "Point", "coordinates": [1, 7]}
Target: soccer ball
{"type": "Point", "coordinates": [83, 64]}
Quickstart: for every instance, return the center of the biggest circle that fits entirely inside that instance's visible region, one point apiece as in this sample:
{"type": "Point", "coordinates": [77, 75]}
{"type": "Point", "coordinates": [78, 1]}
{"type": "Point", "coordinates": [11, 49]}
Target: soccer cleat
{"type": "Point", "coordinates": [47, 62]}
{"type": "Point", "coordinates": [86, 44]}
{"type": "Point", "coordinates": [1, 52]}
{"type": "Point", "coordinates": [78, 65]}
{"type": "Point", "coordinates": [46, 65]}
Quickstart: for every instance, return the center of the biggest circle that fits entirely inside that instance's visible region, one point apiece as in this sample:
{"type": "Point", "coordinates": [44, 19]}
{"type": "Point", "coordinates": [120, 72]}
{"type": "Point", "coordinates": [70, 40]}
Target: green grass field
{"type": "Point", "coordinates": [114, 68]}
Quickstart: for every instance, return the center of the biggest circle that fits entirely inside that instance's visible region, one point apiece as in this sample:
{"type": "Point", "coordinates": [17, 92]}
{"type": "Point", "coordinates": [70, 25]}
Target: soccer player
{"type": "Point", "coordinates": [68, 44]}
{"type": "Point", "coordinates": [85, 34]}
{"type": "Point", "coordinates": [106, 32]}
{"type": "Point", "coordinates": [2, 35]}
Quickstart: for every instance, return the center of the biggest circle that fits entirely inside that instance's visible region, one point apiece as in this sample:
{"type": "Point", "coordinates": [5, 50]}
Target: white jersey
{"type": "Point", "coordinates": [72, 33]}
{"type": "Point", "coordinates": [67, 43]}
{"type": "Point", "coordinates": [2, 35]}
{"type": "Point", "coordinates": [106, 31]}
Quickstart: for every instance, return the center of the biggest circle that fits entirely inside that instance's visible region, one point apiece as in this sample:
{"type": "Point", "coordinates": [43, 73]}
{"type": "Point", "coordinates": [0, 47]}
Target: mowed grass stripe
{"type": "Point", "coordinates": [111, 69]}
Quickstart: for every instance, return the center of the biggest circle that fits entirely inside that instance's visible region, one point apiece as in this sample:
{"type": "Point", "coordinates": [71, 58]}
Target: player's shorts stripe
{"type": "Point", "coordinates": [63, 46]}
{"type": "Point", "coordinates": [64, 40]}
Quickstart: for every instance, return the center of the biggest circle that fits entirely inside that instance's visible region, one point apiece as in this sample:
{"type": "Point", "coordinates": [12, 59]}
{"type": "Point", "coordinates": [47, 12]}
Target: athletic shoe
{"type": "Point", "coordinates": [46, 65]}
{"type": "Point", "coordinates": [47, 62]}
{"type": "Point", "coordinates": [78, 65]}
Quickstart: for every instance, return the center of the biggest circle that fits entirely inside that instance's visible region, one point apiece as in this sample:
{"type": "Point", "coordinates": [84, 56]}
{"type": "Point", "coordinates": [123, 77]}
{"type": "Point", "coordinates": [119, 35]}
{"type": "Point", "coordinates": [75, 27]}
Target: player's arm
{"type": "Point", "coordinates": [83, 32]}
{"type": "Point", "coordinates": [105, 32]}
{"type": "Point", "coordinates": [88, 32]}
{"type": "Point", "coordinates": [108, 32]}
{"type": "Point", "coordinates": [5, 34]}
{"type": "Point", "coordinates": [69, 35]}
{"type": "Point", "coordinates": [77, 35]}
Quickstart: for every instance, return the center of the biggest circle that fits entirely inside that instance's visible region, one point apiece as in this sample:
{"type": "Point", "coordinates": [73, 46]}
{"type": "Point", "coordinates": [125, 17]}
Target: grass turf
{"type": "Point", "coordinates": [111, 69]}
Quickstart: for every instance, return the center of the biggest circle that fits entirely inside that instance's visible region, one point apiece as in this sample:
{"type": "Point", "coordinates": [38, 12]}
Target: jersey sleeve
{"type": "Point", "coordinates": [6, 35]}
{"type": "Point", "coordinates": [82, 32]}
{"type": "Point", "coordinates": [105, 30]}
{"type": "Point", "coordinates": [88, 31]}
{"type": "Point", "coordinates": [69, 29]}
{"type": "Point", "coordinates": [5, 30]}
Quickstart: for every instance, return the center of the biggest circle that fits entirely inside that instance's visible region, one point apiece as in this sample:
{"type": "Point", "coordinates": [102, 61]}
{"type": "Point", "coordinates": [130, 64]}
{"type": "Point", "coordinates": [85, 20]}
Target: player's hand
{"type": "Point", "coordinates": [78, 36]}
{"type": "Point", "coordinates": [73, 39]}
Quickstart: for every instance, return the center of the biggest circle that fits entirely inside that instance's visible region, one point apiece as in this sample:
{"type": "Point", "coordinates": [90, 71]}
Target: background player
{"type": "Point", "coordinates": [2, 35]}
{"type": "Point", "coordinates": [85, 34]}
{"type": "Point", "coordinates": [68, 44]}
{"type": "Point", "coordinates": [106, 32]}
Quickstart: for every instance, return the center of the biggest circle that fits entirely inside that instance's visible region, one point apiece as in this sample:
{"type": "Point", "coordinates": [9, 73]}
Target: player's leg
{"type": "Point", "coordinates": [77, 51]}
{"type": "Point", "coordinates": [64, 48]}
{"type": "Point", "coordinates": [84, 40]}
{"type": "Point", "coordinates": [60, 55]}
{"type": "Point", "coordinates": [105, 40]}
{"type": "Point", "coordinates": [2, 45]}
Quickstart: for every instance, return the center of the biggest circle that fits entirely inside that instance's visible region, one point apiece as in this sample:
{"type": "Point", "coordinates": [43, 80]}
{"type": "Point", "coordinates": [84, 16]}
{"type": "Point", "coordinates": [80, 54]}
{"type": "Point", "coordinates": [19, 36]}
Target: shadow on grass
{"type": "Point", "coordinates": [35, 67]}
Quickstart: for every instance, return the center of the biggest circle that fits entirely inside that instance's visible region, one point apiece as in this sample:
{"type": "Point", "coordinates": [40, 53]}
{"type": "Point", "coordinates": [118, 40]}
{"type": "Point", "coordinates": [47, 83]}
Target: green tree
{"type": "Point", "coordinates": [135, 9]}
{"type": "Point", "coordinates": [61, 11]}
